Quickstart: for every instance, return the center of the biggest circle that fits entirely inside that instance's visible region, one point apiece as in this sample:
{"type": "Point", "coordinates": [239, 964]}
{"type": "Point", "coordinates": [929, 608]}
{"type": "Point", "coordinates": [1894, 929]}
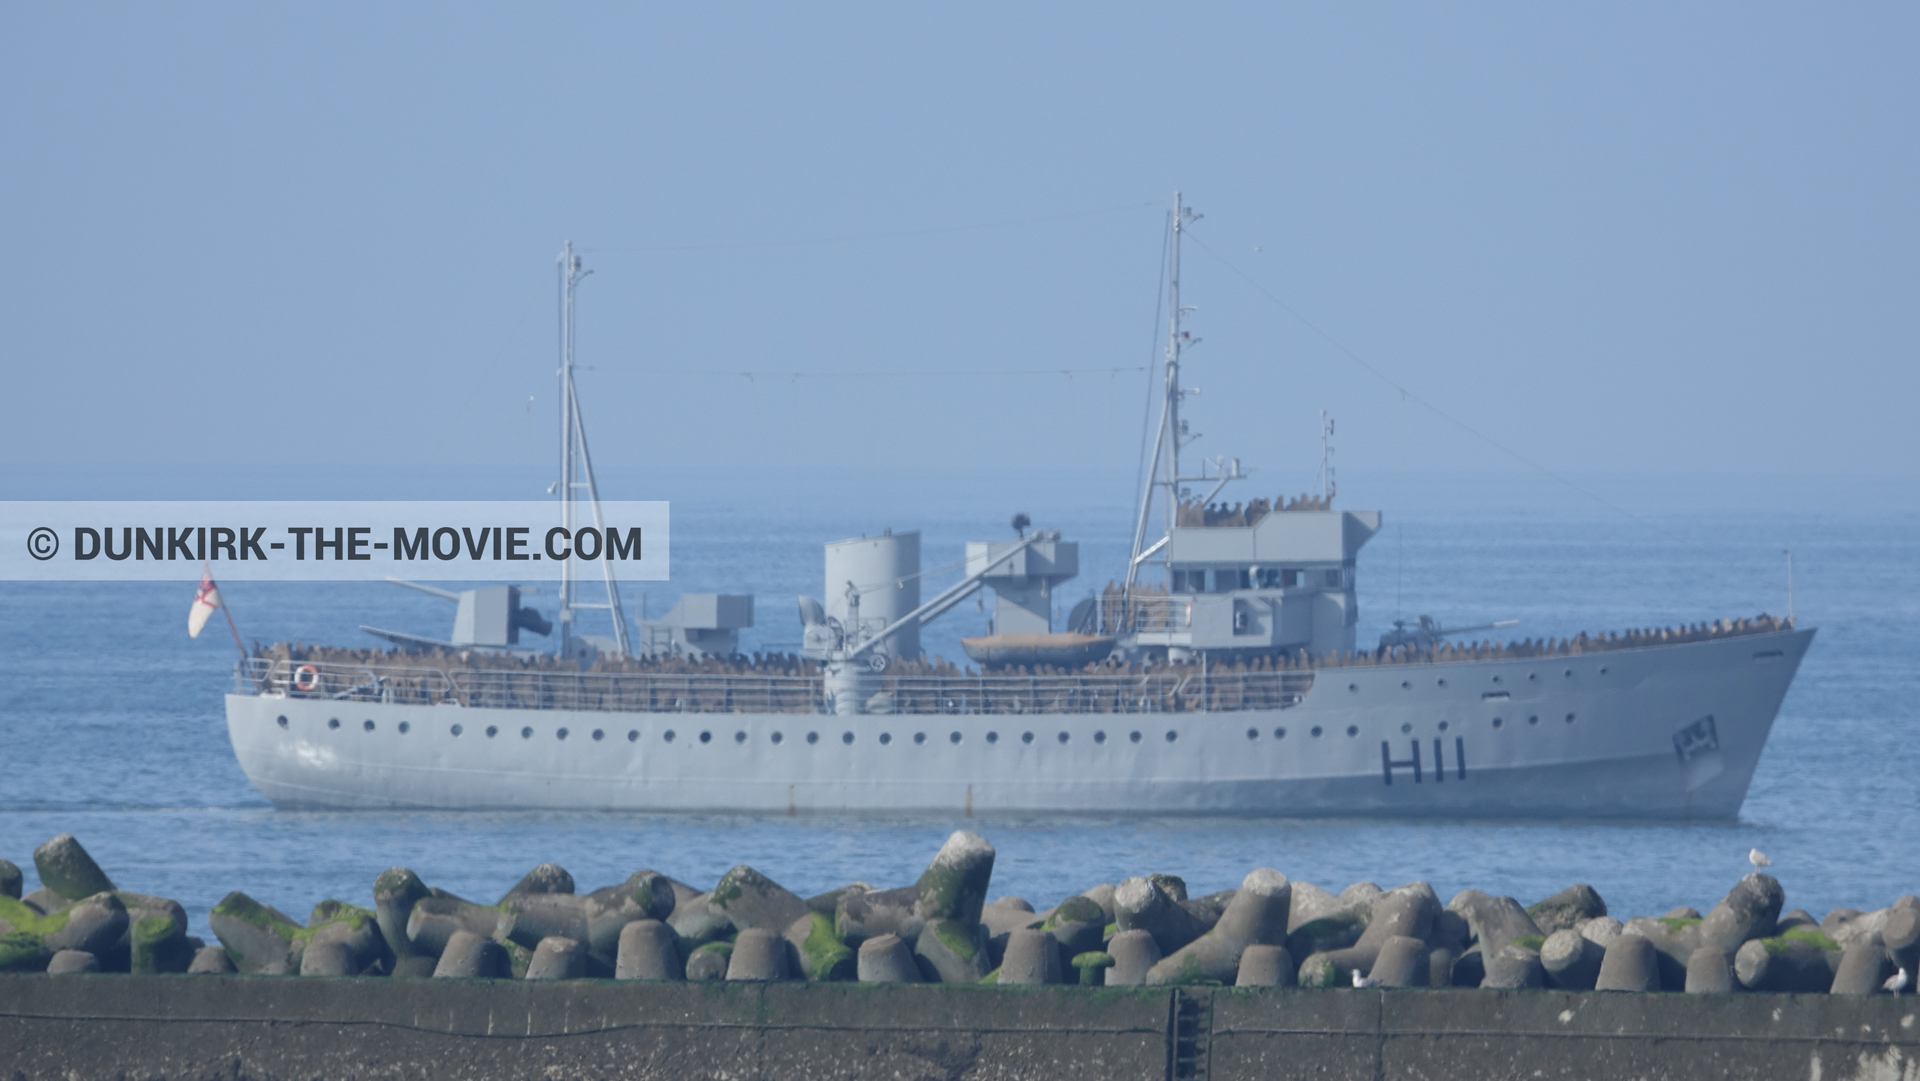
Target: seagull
{"type": "Point", "coordinates": [1758, 858]}
{"type": "Point", "coordinates": [1896, 983]}
{"type": "Point", "coordinates": [1364, 982]}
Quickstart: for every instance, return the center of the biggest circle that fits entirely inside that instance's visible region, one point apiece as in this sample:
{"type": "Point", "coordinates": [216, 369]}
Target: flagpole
{"type": "Point", "coordinates": [225, 611]}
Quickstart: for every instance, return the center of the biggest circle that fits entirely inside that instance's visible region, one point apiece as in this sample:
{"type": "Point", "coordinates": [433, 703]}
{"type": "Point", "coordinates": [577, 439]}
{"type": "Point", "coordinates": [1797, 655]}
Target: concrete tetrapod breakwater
{"type": "Point", "coordinates": [1367, 972]}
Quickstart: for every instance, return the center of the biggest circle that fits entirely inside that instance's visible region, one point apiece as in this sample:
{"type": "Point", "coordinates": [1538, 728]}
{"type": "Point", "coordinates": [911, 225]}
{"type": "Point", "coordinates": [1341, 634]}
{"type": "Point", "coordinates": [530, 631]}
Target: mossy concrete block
{"type": "Point", "coordinates": [1863, 966]}
{"type": "Point", "coordinates": [819, 950]}
{"type": "Point", "coordinates": [558, 958]}
{"type": "Point", "coordinates": [1102, 895]}
{"type": "Point", "coordinates": [752, 900]}
{"type": "Point", "coordinates": [1318, 921]}
{"type": "Point", "coordinates": [649, 950]}
{"type": "Point", "coordinates": [23, 951]}
{"type": "Point", "coordinates": [1710, 972]}
{"type": "Point", "coordinates": [530, 917]}
{"type": "Point", "coordinates": [1032, 957]}
{"type": "Point", "coordinates": [417, 967]}
{"type": "Point", "coordinates": [11, 881]}
{"type": "Point", "coordinates": [1145, 903]}
{"type": "Point", "coordinates": [1793, 963]}
{"type": "Point", "coordinates": [545, 878]}
{"type": "Point", "coordinates": [1681, 912]}
{"type": "Point", "coordinates": [1440, 962]}
{"type": "Point", "coordinates": [1571, 960]}
{"type": "Point", "coordinates": [1135, 952]}
{"type": "Point", "coordinates": [1601, 930]}
{"type": "Point", "coordinates": [1264, 966]}
{"type": "Point", "coordinates": [160, 944]}
{"type": "Point", "coordinates": [395, 892]}
{"type": "Point", "coordinates": [140, 908]}
{"type": "Point", "coordinates": [999, 917]}
{"type": "Point", "coordinates": [1749, 910]}
{"type": "Point", "coordinates": [1563, 910]}
{"type": "Point", "coordinates": [1401, 961]}
{"type": "Point", "coordinates": [760, 954]}
{"type": "Point", "coordinates": [355, 930]}
{"type": "Point", "coordinates": [828, 903]}
{"type": "Point", "coordinates": [67, 869]}
{"type": "Point", "coordinates": [94, 925]}
{"type": "Point", "coordinates": [1077, 923]}
{"type": "Point", "coordinates": [435, 920]}
{"type": "Point", "coordinates": [709, 962]}
{"type": "Point", "coordinates": [1091, 966]}
{"type": "Point", "coordinates": [952, 952]}
{"type": "Point", "coordinates": [259, 940]}
{"type": "Point", "coordinates": [1404, 911]}
{"type": "Point", "coordinates": [1630, 964]}
{"type": "Point", "coordinates": [212, 961]}
{"type": "Point", "coordinates": [45, 902]}
{"type": "Point", "coordinates": [472, 957]}
{"type": "Point", "coordinates": [1902, 936]}
{"type": "Point", "coordinates": [954, 886]}
{"type": "Point", "coordinates": [73, 963]}
{"type": "Point", "coordinates": [1470, 968]}
{"type": "Point", "coordinates": [886, 959]}
{"type": "Point", "coordinates": [1257, 915]}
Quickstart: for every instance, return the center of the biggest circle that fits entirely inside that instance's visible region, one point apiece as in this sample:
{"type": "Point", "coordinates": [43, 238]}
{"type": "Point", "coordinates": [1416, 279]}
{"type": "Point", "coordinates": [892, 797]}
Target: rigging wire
{"type": "Point", "coordinates": [1408, 395]}
{"type": "Point", "coordinates": [1153, 344]}
{"type": "Point", "coordinates": [848, 238]}
{"type": "Point", "coordinates": [962, 372]}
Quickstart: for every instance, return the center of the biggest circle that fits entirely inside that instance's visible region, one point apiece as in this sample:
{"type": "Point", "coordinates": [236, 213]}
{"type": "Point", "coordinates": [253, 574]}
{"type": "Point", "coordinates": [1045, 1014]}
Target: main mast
{"type": "Point", "coordinates": [574, 452]}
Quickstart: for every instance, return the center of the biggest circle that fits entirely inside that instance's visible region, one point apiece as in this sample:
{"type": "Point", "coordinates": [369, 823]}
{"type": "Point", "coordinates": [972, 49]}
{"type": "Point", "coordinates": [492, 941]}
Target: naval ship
{"type": "Point", "coordinates": [1234, 684]}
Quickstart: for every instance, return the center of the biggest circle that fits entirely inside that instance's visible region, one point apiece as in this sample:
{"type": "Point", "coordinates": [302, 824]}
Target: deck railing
{"type": "Point", "coordinates": [1187, 691]}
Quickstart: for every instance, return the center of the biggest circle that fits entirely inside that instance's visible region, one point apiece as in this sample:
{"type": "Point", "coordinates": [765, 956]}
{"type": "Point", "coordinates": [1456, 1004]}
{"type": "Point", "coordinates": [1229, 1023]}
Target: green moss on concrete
{"type": "Point", "coordinates": [1186, 971]}
{"type": "Point", "coordinates": [1531, 942]}
{"type": "Point", "coordinates": [1801, 938]}
{"type": "Point", "coordinates": [823, 954]}
{"type": "Point", "coordinates": [1110, 930]}
{"type": "Point", "coordinates": [23, 951]}
{"type": "Point", "coordinates": [331, 911]}
{"type": "Point", "coordinates": [1074, 910]}
{"type": "Point", "coordinates": [239, 906]}
{"type": "Point", "coordinates": [939, 890]}
{"type": "Point", "coordinates": [953, 935]}
{"type": "Point", "coordinates": [160, 945]}
{"type": "Point", "coordinates": [26, 919]}
{"type": "Point", "coordinates": [1090, 965]}
{"type": "Point", "coordinates": [1676, 924]}
{"type": "Point", "coordinates": [991, 977]}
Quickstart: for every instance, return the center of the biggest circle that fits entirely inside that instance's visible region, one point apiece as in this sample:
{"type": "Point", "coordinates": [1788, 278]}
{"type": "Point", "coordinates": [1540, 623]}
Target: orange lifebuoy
{"type": "Point", "coordinates": [306, 678]}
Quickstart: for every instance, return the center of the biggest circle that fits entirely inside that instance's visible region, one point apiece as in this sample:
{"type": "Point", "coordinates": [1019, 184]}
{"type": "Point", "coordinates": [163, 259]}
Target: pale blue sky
{"type": "Point", "coordinates": [1620, 238]}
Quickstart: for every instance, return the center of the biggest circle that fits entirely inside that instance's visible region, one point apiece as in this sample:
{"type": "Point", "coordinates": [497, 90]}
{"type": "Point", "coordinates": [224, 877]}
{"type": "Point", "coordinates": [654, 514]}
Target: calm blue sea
{"type": "Point", "coordinates": [111, 722]}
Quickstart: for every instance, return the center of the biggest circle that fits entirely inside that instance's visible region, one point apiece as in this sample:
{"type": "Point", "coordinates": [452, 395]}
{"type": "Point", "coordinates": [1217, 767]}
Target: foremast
{"type": "Point", "coordinates": [576, 474]}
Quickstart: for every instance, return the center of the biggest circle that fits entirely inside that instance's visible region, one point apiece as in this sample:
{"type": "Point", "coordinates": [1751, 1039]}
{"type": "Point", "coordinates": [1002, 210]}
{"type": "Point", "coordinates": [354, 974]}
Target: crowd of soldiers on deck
{"type": "Point", "coordinates": [1195, 513]}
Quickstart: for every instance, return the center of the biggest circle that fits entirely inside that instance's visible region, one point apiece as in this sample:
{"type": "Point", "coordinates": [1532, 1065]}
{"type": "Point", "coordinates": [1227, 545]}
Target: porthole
{"type": "Point", "coordinates": [633, 736]}
{"type": "Point", "coordinates": [1406, 685]}
{"type": "Point", "coordinates": [1316, 732]}
{"type": "Point", "coordinates": [953, 737]}
{"type": "Point", "coordinates": [1279, 733]}
{"type": "Point", "coordinates": [526, 733]}
{"type": "Point", "coordinates": [1534, 719]}
{"type": "Point", "coordinates": [706, 737]}
{"type": "Point", "coordinates": [599, 734]}
{"type": "Point", "coordinates": [739, 737]}
{"type": "Point", "coordinates": [667, 735]}
{"type": "Point", "coordinates": [1353, 730]}
{"type": "Point", "coordinates": [886, 738]}
{"type": "Point", "coordinates": [1354, 687]}
{"type": "Point", "coordinates": [1568, 673]}
{"type": "Point", "coordinates": [560, 733]}
{"type": "Point", "coordinates": [777, 737]}
{"type": "Point", "coordinates": [1496, 679]}
{"type": "Point", "coordinates": [1533, 677]}
{"type": "Point", "coordinates": [846, 737]}
{"type": "Point", "coordinates": [919, 737]}
{"type": "Point", "coordinates": [1099, 737]}
{"type": "Point", "coordinates": [492, 731]}
{"type": "Point", "coordinates": [1253, 733]}
{"type": "Point", "coordinates": [282, 719]}
{"type": "Point", "coordinates": [993, 737]}
{"type": "Point", "coordinates": [1443, 726]}
{"type": "Point", "coordinates": [333, 722]}
{"type": "Point", "coordinates": [1603, 669]}
{"type": "Point", "coordinates": [1172, 735]}
{"type": "Point", "coordinates": [1443, 683]}
{"type": "Point", "coordinates": [1063, 737]}
{"type": "Point", "coordinates": [1498, 723]}
{"type": "Point", "coordinates": [456, 729]}
{"type": "Point", "coordinates": [1569, 718]}
{"type": "Point", "coordinates": [368, 725]}
{"type": "Point", "coordinates": [1026, 737]}
{"type": "Point", "coordinates": [1134, 736]}
{"type": "Point", "coordinates": [813, 737]}
{"type": "Point", "coordinates": [405, 727]}
{"type": "Point", "coordinates": [1405, 728]}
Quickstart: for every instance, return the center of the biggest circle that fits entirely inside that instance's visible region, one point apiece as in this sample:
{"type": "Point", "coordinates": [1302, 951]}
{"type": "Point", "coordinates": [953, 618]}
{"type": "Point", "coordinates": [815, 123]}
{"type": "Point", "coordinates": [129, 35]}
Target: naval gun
{"type": "Point", "coordinates": [1428, 633]}
{"type": "Point", "coordinates": [489, 618]}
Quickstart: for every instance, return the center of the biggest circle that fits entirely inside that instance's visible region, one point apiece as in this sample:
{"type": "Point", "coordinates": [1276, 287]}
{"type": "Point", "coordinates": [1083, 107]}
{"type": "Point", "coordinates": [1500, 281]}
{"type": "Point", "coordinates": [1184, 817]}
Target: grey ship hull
{"type": "Point", "coordinates": [1666, 731]}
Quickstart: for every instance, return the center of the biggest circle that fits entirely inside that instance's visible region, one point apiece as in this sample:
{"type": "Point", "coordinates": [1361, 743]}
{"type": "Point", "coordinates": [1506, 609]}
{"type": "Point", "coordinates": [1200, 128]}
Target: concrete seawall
{"type": "Point", "coordinates": [234, 1027]}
